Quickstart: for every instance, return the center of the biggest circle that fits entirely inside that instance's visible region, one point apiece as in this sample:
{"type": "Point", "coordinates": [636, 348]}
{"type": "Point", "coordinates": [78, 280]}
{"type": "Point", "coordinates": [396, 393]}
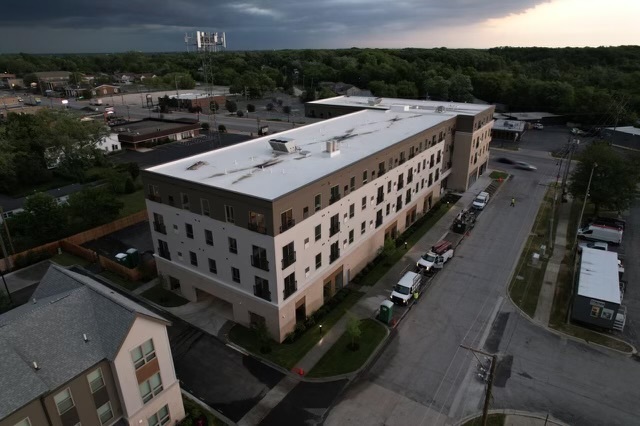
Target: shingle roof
{"type": "Point", "coordinates": [50, 332]}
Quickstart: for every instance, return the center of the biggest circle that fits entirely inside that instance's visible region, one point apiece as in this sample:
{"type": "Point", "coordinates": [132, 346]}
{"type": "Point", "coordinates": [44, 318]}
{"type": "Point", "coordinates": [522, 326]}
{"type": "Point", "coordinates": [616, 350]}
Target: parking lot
{"type": "Point", "coordinates": [137, 236]}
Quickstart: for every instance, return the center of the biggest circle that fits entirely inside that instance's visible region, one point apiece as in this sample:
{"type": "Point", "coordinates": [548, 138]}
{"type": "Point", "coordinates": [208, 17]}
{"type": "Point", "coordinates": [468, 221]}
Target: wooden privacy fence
{"type": "Point", "coordinates": [73, 246]}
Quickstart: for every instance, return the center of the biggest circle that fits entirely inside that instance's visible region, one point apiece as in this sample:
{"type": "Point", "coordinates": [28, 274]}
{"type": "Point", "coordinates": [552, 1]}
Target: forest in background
{"type": "Point", "coordinates": [592, 85]}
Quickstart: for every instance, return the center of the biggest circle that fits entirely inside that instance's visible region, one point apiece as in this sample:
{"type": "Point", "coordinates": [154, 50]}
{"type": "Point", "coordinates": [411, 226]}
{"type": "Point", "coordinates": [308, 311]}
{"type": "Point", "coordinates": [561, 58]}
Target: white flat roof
{"type": "Point", "coordinates": [252, 168]}
{"type": "Point", "coordinates": [539, 115]}
{"type": "Point", "coordinates": [196, 95]}
{"type": "Point", "coordinates": [626, 129]}
{"type": "Point", "coordinates": [386, 103]}
{"type": "Point", "coordinates": [509, 125]}
{"type": "Point", "coordinates": [599, 275]}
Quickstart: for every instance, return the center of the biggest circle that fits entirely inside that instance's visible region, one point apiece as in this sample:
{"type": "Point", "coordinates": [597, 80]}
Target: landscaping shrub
{"type": "Point", "coordinates": [251, 108]}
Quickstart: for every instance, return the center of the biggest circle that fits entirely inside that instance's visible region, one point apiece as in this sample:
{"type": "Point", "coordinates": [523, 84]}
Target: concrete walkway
{"type": "Point", "coordinates": [548, 289]}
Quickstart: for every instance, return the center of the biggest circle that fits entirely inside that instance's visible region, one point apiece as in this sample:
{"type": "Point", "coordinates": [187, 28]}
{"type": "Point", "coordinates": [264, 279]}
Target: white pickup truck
{"type": "Point", "coordinates": [436, 257]}
{"type": "Point", "coordinates": [481, 200]}
{"type": "Point", "coordinates": [403, 291]}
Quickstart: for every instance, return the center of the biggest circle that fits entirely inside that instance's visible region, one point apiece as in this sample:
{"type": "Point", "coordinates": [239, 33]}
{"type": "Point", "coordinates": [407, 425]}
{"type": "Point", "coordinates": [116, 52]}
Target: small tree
{"type": "Point", "coordinates": [287, 110]}
{"type": "Point", "coordinates": [270, 106]}
{"type": "Point", "coordinates": [231, 106]}
{"type": "Point", "coordinates": [251, 107]}
{"type": "Point", "coordinates": [222, 128]}
{"type": "Point", "coordinates": [354, 332]}
{"type": "Point", "coordinates": [205, 126]}
{"type": "Point", "coordinates": [129, 186]}
{"type": "Point", "coordinates": [263, 335]}
{"type": "Point", "coordinates": [134, 170]}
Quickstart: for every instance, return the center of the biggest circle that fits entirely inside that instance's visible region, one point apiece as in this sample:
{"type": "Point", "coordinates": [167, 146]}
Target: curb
{"type": "Point", "coordinates": [507, 412]}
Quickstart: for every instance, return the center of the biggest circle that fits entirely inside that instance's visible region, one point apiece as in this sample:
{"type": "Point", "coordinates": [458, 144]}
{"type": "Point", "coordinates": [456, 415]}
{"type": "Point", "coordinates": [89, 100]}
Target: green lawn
{"type": "Point", "coordinates": [164, 297]}
{"type": "Point", "coordinates": [527, 281]}
{"type": "Point", "coordinates": [383, 267]}
{"type": "Point", "coordinates": [133, 203]}
{"type": "Point", "coordinates": [340, 359]}
{"type": "Point", "coordinates": [288, 354]}
{"type": "Point", "coordinates": [497, 175]}
{"type": "Point", "coordinates": [193, 410]}
{"type": "Point", "coordinates": [67, 259]}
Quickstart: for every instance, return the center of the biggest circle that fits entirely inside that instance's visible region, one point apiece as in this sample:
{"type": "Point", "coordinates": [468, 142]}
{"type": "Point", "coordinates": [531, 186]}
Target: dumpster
{"type": "Point", "coordinates": [121, 258]}
{"type": "Point", "coordinates": [386, 312]}
{"type": "Point", "coordinates": [134, 257]}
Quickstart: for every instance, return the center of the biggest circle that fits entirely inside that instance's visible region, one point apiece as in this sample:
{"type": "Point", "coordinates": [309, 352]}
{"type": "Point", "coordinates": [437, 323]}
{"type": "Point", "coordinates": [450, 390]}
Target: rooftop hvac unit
{"type": "Point", "coordinates": [375, 101]}
{"type": "Point", "coordinates": [283, 145]}
{"type": "Point", "coordinates": [440, 109]}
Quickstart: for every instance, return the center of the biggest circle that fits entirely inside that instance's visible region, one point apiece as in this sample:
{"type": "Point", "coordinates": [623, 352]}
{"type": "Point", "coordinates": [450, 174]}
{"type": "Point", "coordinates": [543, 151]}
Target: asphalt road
{"type": "Point", "coordinates": [425, 377]}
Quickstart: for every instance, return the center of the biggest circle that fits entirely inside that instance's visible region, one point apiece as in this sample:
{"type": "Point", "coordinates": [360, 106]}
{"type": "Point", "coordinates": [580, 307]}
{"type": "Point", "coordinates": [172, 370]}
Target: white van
{"type": "Point", "coordinates": [601, 233]}
{"type": "Point", "coordinates": [403, 291]}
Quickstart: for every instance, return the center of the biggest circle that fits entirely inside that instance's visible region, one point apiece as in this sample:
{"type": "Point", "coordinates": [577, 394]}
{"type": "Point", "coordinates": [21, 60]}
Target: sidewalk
{"type": "Point", "coordinates": [548, 289]}
{"type": "Point", "coordinates": [374, 295]}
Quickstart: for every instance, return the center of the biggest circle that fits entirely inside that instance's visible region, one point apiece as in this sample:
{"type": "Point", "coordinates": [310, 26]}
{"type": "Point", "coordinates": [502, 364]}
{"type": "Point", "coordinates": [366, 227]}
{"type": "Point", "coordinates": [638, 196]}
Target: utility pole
{"type": "Point", "coordinates": [572, 147]}
{"type": "Point", "coordinates": [492, 372]}
{"type": "Point", "coordinates": [584, 204]}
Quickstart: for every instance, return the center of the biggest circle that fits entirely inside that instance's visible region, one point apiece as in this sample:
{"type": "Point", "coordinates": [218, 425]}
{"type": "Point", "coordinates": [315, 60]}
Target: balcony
{"type": "Point", "coordinates": [160, 227]}
{"type": "Point", "coordinates": [379, 200]}
{"type": "Point", "coordinates": [378, 223]}
{"type": "Point", "coordinates": [262, 293]}
{"type": "Point", "coordinates": [334, 229]}
{"type": "Point", "coordinates": [288, 224]}
{"type": "Point", "coordinates": [334, 198]}
{"type": "Point", "coordinates": [154, 197]}
{"type": "Point", "coordinates": [256, 227]}
{"type": "Point", "coordinates": [259, 262]}
{"type": "Point", "coordinates": [335, 254]}
{"type": "Point", "coordinates": [290, 289]}
{"type": "Point", "coordinates": [288, 260]}
{"type": "Point", "coordinates": [381, 172]}
{"type": "Point", "coordinates": [164, 253]}
{"type": "Point", "coordinates": [402, 160]}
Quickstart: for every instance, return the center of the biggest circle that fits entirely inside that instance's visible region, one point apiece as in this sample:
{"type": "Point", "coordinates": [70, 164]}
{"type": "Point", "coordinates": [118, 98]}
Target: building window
{"type": "Point", "coordinates": [95, 379]}
{"type": "Point", "coordinates": [105, 413]}
{"type": "Point", "coordinates": [24, 422]}
{"type": "Point", "coordinates": [334, 253]}
{"type": "Point", "coordinates": [235, 274]}
{"type": "Point", "coordinates": [150, 387]}
{"type": "Point", "coordinates": [257, 222]}
{"type": "Point", "coordinates": [305, 212]}
{"type": "Point", "coordinates": [399, 203]}
{"type": "Point", "coordinates": [363, 227]}
{"type": "Point", "coordinates": [158, 224]}
{"type": "Point", "coordinates": [288, 255]}
{"type": "Point", "coordinates": [228, 214]}
{"type": "Point", "coordinates": [204, 204]}
{"type": "Point", "coordinates": [388, 186]}
{"type": "Point", "coordinates": [185, 201]}
{"type": "Point", "coordinates": [261, 289]}
{"type": "Point", "coordinates": [352, 210]}
{"type": "Point", "coordinates": [334, 225]}
{"type": "Point", "coordinates": [259, 258]}
{"type": "Point", "coordinates": [154, 193]}
{"type": "Point", "coordinates": [286, 220]}
{"type": "Point", "coordinates": [378, 218]}
{"type": "Point", "coordinates": [233, 245]}
{"type": "Point", "coordinates": [388, 209]}
{"type": "Point", "coordinates": [193, 258]}
{"type": "Point", "coordinates": [410, 175]}
{"type": "Point", "coordinates": [335, 194]}
{"type": "Point", "coordinates": [290, 285]}
{"type": "Point", "coordinates": [171, 202]}
{"type": "Point", "coordinates": [351, 236]}
{"type": "Point", "coordinates": [189, 230]}
{"type": "Point", "coordinates": [143, 354]}
{"type": "Point", "coordinates": [352, 183]}
{"type": "Point", "coordinates": [160, 418]}
{"type": "Point", "coordinates": [318, 232]}
{"type": "Point", "coordinates": [364, 203]}
{"type": "Point", "coordinates": [408, 197]}
{"type": "Point", "coordinates": [208, 237]}
{"type": "Point", "coordinates": [380, 197]}
{"type": "Point", "coordinates": [400, 181]}
{"type": "Point", "coordinates": [64, 401]}
{"type": "Point", "coordinates": [318, 260]}
{"type": "Point", "coordinates": [318, 202]}
{"type": "Point", "coordinates": [365, 176]}
{"type": "Point", "coordinates": [213, 268]}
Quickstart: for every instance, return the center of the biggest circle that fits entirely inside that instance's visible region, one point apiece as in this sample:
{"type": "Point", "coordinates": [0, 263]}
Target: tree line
{"type": "Point", "coordinates": [592, 84]}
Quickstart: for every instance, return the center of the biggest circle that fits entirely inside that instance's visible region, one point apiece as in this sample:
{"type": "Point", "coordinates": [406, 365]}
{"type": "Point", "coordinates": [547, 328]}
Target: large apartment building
{"type": "Point", "coordinates": [80, 354]}
{"type": "Point", "coordinates": [272, 227]}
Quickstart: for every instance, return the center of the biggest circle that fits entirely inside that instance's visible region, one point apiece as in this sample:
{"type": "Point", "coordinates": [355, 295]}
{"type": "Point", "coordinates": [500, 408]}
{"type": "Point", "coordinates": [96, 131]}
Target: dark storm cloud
{"type": "Point", "coordinates": [68, 25]}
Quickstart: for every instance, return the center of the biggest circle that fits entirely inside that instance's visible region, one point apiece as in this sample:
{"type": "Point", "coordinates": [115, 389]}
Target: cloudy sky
{"type": "Point", "coordinates": [71, 26]}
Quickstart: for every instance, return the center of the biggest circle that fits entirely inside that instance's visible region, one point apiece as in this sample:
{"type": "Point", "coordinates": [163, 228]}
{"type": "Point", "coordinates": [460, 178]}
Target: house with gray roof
{"type": "Point", "coordinates": [79, 353]}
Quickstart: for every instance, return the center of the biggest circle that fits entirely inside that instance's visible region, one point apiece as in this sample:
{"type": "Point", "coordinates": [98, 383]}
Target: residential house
{"type": "Point", "coordinates": [105, 90]}
{"type": "Point", "coordinates": [150, 131]}
{"type": "Point", "coordinates": [52, 80]}
{"type": "Point", "coordinates": [80, 353]}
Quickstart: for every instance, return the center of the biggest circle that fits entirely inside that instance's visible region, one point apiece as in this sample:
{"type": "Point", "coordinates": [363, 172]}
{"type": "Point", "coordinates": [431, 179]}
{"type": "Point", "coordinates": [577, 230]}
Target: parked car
{"type": "Point", "coordinates": [596, 245]}
{"type": "Point", "coordinates": [525, 166]}
{"type": "Point", "coordinates": [480, 201]}
{"type": "Point", "coordinates": [577, 132]}
{"type": "Point", "coordinates": [609, 221]}
{"type": "Point", "coordinates": [601, 233]}
{"type": "Point", "coordinates": [505, 160]}
{"type": "Point", "coordinates": [538, 126]}
{"type": "Point", "coordinates": [436, 257]}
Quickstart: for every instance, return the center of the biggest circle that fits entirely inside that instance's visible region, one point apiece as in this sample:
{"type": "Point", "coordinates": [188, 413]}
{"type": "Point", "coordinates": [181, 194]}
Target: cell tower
{"type": "Point", "coordinates": [206, 41]}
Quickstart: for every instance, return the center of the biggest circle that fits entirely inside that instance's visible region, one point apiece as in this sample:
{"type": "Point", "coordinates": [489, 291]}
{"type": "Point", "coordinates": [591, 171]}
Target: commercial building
{"type": "Point", "coordinates": [52, 80]}
{"type": "Point", "coordinates": [151, 131]}
{"type": "Point", "coordinates": [598, 298]}
{"type": "Point", "coordinates": [625, 136]}
{"type": "Point", "coordinates": [189, 101]}
{"type": "Point", "coordinates": [507, 130]}
{"type": "Point", "coordinates": [272, 227]}
{"type": "Point", "coordinates": [81, 354]}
